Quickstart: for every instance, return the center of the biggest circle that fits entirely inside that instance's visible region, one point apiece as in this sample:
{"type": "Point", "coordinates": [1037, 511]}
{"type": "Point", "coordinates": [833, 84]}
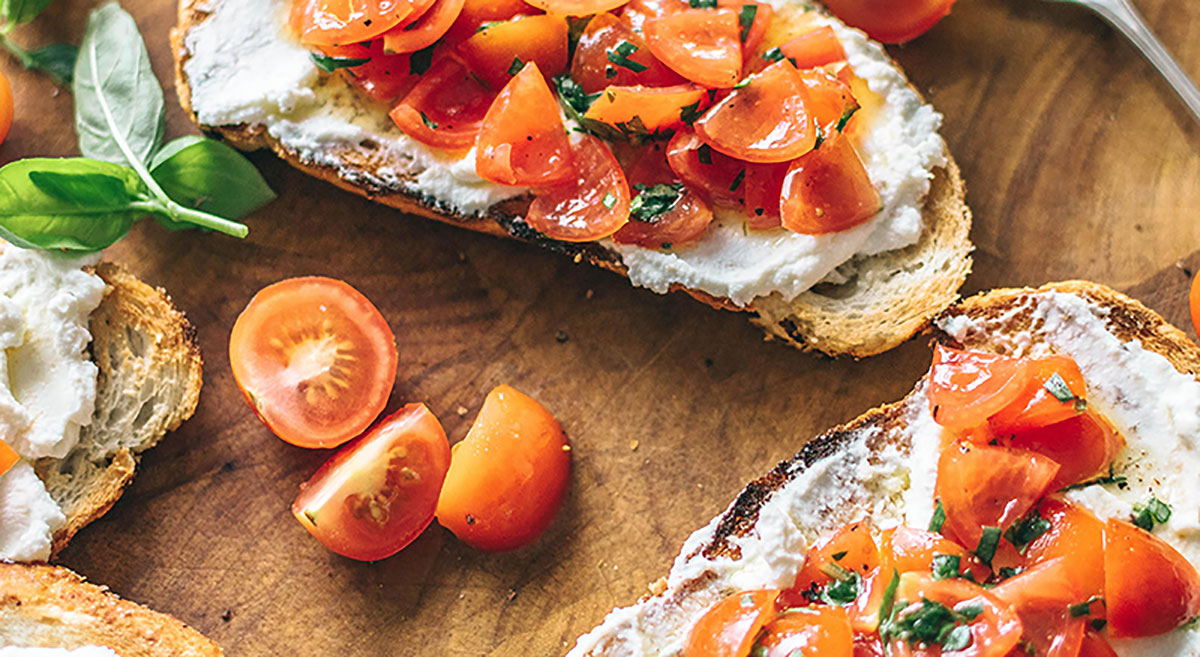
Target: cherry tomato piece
{"type": "Point", "coordinates": [446, 108]}
{"type": "Point", "coordinates": [6, 107]}
{"type": "Point", "coordinates": [637, 11]}
{"type": "Point", "coordinates": [1084, 446]}
{"type": "Point", "coordinates": [500, 50]}
{"type": "Point", "coordinates": [477, 13]}
{"type": "Point", "coordinates": [686, 222]}
{"type": "Point", "coordinates": [654, 108]}
{"type": "Point", "coordinates": [995, 631]}
{"type": "Point", "coordinates": [382, 76]}
{"type": "Point", "coordinates": [823, 631]}
{"type": "Point", "coordinates": [1133, 558]}
{"type": "Point", "coordinates": [592, 206]}
{"type": "Point", "coordinates": [968, 387]}
{"type": "Point", "coordinates": [377, 494]}
{"type": "Point", "coordinates": [577, 7]}
{"type": "Point", "coordinates": [426, 31]}
{"type": "Point", "coordinates": [849, 549]}
{"type": "Point", "coordinates": [727, 182]}
{"type": "Point", "coordinates": [602, 42]}
{"type": "Point", "coordinates": [729, 628]}
{"type": "Point", "coordinates": [344, 22]}
{"type": "Point", "coordinates": [8, 457]}
{"type": "Point", "coordinates": [702, 45]}
{"type": "Point", "coordinates": [523, 140]}
{"type": "Point", "coordinates": [1043, 596]}
{"type": "Point", "coordinates": [508, 477]}
{"type": "Point", "coordinates": [753, 20]}
{"type": "Point", "coordinates": [819, 47]}
{"type": "Point", "coordinates": [764, 121]}
{"type": "Point", "coordinates": [907, 550]}
{"type": "Point", "coordinates": [827, 190]}
{"type": "Point", "coordinates": [1094, 645]}
{"type": "Point", "coordinates": [314, 359]}
{"type": "Point", "coordinates": [891, 21]}
{"type": "Point", "coordinates": [1077, 538]}
{"type": "Point", "coordinates": [1037, 406]}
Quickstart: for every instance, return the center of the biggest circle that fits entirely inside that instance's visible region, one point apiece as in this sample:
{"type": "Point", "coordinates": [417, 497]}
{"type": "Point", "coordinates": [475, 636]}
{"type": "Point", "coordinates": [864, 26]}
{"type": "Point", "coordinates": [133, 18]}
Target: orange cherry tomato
{"type": "Point", "coordinates": [1042, 596]}
{"type": "Point", "coordinates": [426, 31]}
{"type": "Point", "coordinates": [477, 13]}
{"type": "Point", "coordinates": [891, 21]}
{"type": "Point", "coordinates": [727, 182]}
{"type": "Point", "coordinates": [508, 477]}
{"type": "Point", "coordinates": [637, 11]}
{"type": "Point", "coordinates": [655, 107]}
{"type": "Point", "coordinates": [577, 7]}
{"type": "Point", "coordinates": [819, 47]}
{"type": "Point", "coordinates": [377, 494]}
{"type": "Point", "coordinates": [499, 50]}
{"type": "Point", "coordinates": [592, 206]}
{"type": "Point", "coordinates": [1149, 588]}
{"type": "Point", "coordinates": [601, 42]}
{"type": "Point", "coordinates": [759, 19]}
{"type": "Point", "coordinates": [827, 190]}
{"type": "Point", "coordinates": [8, 457]}
{"type": "Point", "coordinates": [984, 486]}
{"type": "Point", "coordinates": [994, 632]}
{"type": "Point", "coordinates": [1037, 406]}
{"type": "Point", "coordinates": [314, 359]}
{"type": "Point", "coordinates": [1094, 645]}
{"type": "Point", "coordinates": [382, 76]}
{"type": "Point", "coordinates": [343, 22]}
{"type": "Point", "coordinates": [1076, 537]}
{"type": "Point", "coordinates": [1193, 297]}
{"type": "Point", "coordinates": [6, 107]}
{"type": "Point", "coordinates": [729, 628]}
{"type": "Point", "coordinates": [446, 108]}
{"type": "Point", "coordinates": [830, 102]}
{"type": "Point", "coordinates": [851, 549]}
{"type": "Point", "coordinates": [968, 387]}
{"type": "Point", "coordinates": [822, 630]}
{"type": "Point", "coordinates": [523, 140]}
{"type": "Point", "coordinates": [1083, 445]}
{"type": "Point", "coordinates": [907, 549]}
{"type": "Point", "coordinates": [702, 45]}
{"type": "Point", "coordinates": [864, 611]}
{"type": "Point", "coordinates": [763, 121]}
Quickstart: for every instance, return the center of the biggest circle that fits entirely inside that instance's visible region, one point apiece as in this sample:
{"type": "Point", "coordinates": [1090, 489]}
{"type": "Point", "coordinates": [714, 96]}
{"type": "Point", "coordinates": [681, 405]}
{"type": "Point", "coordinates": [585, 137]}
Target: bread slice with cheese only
{"type": "Point", "coordinates": [99, 367]}
{"type": "Point", "coordinates": [1141, 374]}
{"type": "Point", "coordinates": [241, 73]}
{"type": "Point", "coordinates": [46, 611]}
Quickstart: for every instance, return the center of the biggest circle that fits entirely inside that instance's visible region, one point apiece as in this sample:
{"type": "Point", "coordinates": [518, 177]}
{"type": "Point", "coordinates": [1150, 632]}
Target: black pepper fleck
{"type": "Point", "coordinates": [562, 337]}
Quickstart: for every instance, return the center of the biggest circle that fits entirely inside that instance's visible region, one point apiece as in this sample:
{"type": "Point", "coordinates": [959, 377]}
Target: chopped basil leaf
{"type": "Point", "coordinates": [959, 638]}
{"type": "Point", "coordinates": [737, 181]}
{"type": "Point", "coordinates": [1007, 572]}
{"type": "Point", "coordinates": [420, 61]}
{"type": "Point", "coordinates": [946, 566]}
{"type": "Point", "coordinates": [652, 202]}
{"type": "Point", "coordinates": [1111, 478]}
{"type": "Point", "coordinates": [838, 556]}
{"type": "Point", "coordinates": [1027, 530]}
{"type": "Point", "coordinates": [843, 591]}
{"type": "Point", "coordinates": [487, 25]}
{"type": "Point", "coordinates": [743, 82]}
{"type": "Point", "coordinates": [1098, 624]}
{"type": "Point", "coordinates": [1059, 388]}
{"type": "Point", "coordinates": [704, 154]}
{"type": "Point", "coordinates": [933, 623]}
{"type": "Point", "coordinates": [846, 116]}
{"type": "Point", "coordinates": [988, 542]}
{"type": "Point", "coordinates": [773, 55]}
{"type": "Point", "coordinates": [609, 201]}
{"type": "Point", "coordinates": [516, 66]}
{"type": "Point", "coordinates": [331, 64]}
{"type": "Point", "coordinates": [746, 19]}
{"type": "Point", "coordinates": [572, 97]}
{"type": "Point", "coordinates": [1153, 512]}
{"type": "Point", "coordinates": [689, 113]}
{"type": "Point", "coordinates": [575, 27]}
{"type": "Point", "coordinates": [619, 55]}
{"type": "Point", "coordinates": [429, 123]}
{"type": "Point", "coordinates": [1190, 625]}
{"type": "Point", "coordinates": [970, 611]}
{"type": "Point", "coordinates": [887, 607]}
{"type": "Point", "coordinates": [703, 4]}
{"type": "Point", "coordinates": [939, 518]}
{"type": "Point", "coordinates": [1084, 608]}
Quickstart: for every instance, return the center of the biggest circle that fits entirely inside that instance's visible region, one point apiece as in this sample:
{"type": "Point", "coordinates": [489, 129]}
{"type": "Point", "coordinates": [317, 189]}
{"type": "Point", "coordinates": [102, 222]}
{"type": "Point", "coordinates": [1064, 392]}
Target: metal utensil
{"type": "Point", "coordinates": [1129, 22]}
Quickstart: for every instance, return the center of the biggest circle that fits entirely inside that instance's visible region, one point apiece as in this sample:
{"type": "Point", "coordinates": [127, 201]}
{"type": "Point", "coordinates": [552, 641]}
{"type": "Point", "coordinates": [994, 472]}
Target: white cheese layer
{"type": "Point", "coordinates": [244, 68]}
{"type": "Point", "coordinates": [84, 651]}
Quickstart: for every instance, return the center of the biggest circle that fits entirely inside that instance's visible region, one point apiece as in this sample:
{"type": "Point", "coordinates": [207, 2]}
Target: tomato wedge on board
{"type": "Point", "coordinates": [764, 121]}
{"type": "Point", "coordinates": [827, 190]}
{"type": "Point", "coordinates": [907, 549]}
{"type": "Point", "coordinates": [1042, 596]}
{"type": "Point", "coordinates": [819, 47]}
{"type": "Point", "coordinates": [377, 494]}
{"type": "Point", "coordinates": [850, 549]}
{"type": "Point", "coordinates": [500, 50]}
{"type": "Point", "coordinates": [731, 626]}
{"type": "Point", "coordinates": [607, 38]}
{"type": "Point", "coordinates": [577, 7]}
{"type": "Point", "coordinates": [8, 457]}
{"type": "Point", "coordinates": [382, 76]}
{"type": "Point", "coordinates": [314, 359]}
{"type": "Point", "coordinates": [1076, 537]}
{"type": "Point", "coordinates": [1037, 406]}
{"type": "Point", "coordinates": [522, 140]}
{"type": "Point", "coordinates": [702, 45]}
{"type": "Point", "coordinates": [343, 22]}
{"type": "Point", "coordinates": [655, 108]}
{"type": "Point", "coordinates": [508, 477]}
{"type": "Point", "coordinates": [822, 630]}
{"type": "Point", "coordinates": [593, 205]}
{"type": "Point", "coordinates": [1084, 446]}
{"type": "Point", "coordinates": [995, 628]}
{"type": "Point", "coordinates": [426, 31]}
{"type": "Point", "coordinates": [477, 13]}
{"type": "Point", "coordinates": [1149, 588]}
{"type": "Point", "coordinates": [891, 21]}
{"type": "Point", "coordinates": [968, 387]}
{"type": "Point", "coordinates": [447, 107]}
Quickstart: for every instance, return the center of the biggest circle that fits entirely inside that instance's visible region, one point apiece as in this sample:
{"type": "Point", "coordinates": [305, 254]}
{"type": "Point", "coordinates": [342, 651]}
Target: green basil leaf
{"type": "Point", "coordinates": [208, 175]}
{"type": "Point", "coordinates": [21, 11]}
{"type": "Point", "coordinates": [57, 60]}
{"type": "Point", "coordinates": [72, 204]}
{"type": "Point", "coordinates": [117, 98]}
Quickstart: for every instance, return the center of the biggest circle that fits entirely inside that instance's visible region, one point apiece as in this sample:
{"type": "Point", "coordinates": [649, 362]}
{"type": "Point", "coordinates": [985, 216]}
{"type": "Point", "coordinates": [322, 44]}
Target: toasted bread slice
{"type": "Point", "coordinates": [51, 607]}
{"type": "Point", "coordinates": [149, 382]}
{"type": "Point", "coordinates": [889, 297]}
{"type": "Point", "coordinates": [868, 467]}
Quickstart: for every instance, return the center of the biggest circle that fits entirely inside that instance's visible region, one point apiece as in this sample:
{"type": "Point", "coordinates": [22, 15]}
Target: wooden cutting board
{"type": "Point", "coordinates": [1081, 164]}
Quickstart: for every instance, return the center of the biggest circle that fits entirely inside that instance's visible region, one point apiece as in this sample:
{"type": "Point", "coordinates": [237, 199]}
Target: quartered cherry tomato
{"type": "Point", "coordinates": [1193, 298]}
{"type": "Point", "coordinates": [827, 190]}
{"type": "Point", "coordinates": [377, 494]}
{"type": "Point", "coordinates": [508, 477]}
{"type": "Point", "coordinates": [995, 631]}
{"type": "Point", "coordinates": [753, 19]}
{"type": "Point", "coordinates": [850, 549]}
{"type": "Point", "coordinates": [1083, 445]}
{"type": "Point", "coordinates": [907, 549]}
{"type": "Point", "coordinates": [8, 457]}
{"type": "Point", "coordinates": [822, 630]}
{"type": "Point", "coordinates": [314, 359]}
{"type": "Point", "coordinates": [382, 76]}
{"type": "Point", "coordinates": [1043, 596]}
{"type": "Point", "coordinates": [425, 31]}
{"type": "Point", "coordinates": [702, 45]}
{"type": "Point", "coordinates": [1037, 406]}
{"type": "Point", "coordinates": [1149, 588]}
{"type": "Point", "coordinates": [594, 204]}
{"type": "Point", "coordinates": [1094, 645]}
{"type": "Point", "coordinates": [968, 387]}
{"type": "Point", "coordinates": [764, 121]}
{"type": "Point", "coordinates": [684, 223]}
{"type": "Point", "coordinates": [6, 106]}
{"type": "Point", "coordinates": [577, 7]}
{"type": "Point", "coordinates": [819, 47]}
{"type": "Point", "coordinates": [522, 140]}
{"type": "Point", "coordinates": [729, 628]}
{"type": "Point", "coordinates": [500, 50]}
{"type": "Point", "coordinates": [727, 182]}
{"type": "Point", "coordinates": [1076, 537]}
{"type": "Point", "coordinates": [637, 11]}
{"type": "Point", "coordinates": [606, 38]}
{"type": "Point", "coordinates": [446, 108]}
{"type": "Point", "coordinates": [891, 21]}
{"type": "Point", "coordinates": [655, 108]}
{"type": "Point", "coordinates": [477, 13]}
{"type": "Point", "coordinates": [343, 22]}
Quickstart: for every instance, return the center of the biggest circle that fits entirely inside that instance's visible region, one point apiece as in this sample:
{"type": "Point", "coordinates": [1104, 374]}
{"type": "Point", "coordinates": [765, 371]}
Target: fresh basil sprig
{"type": "Point", "coordinates": [57, 59]}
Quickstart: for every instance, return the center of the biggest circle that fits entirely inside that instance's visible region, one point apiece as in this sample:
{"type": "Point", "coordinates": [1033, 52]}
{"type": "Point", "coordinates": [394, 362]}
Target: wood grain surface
{"type": "Point", "coordinates": [1080, 163]}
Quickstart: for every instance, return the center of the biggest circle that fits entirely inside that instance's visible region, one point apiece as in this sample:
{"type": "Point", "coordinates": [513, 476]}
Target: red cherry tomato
{"type": "Point", "coordinates": [684, 223]}
{"type": "Point", "coordinates": [702, 45]}
{"type": "Point", "coordinates": [763, 121]}
{"type": "Point", "coordinates": [382, 76]}
{"type": "Point", "coordinates": [600, 43]}
{"type": "Point", "coordinates": [752, 22]}
{"type": "Point", "coordinates": [593, 205]}
{"type": "Point", "coordinates": [968, 387]}
{"type": "Point", "coordinates": [727, 182]}
{"type": "Point", "coordinates": [891, 21]}
{"type": "Point", "coordinates": [314, 359]}
{"type": "Point", "coordinates": [984, 486]}
{"type": "Point", "coordinates": [1083, 445]}
{"type": "Point", "coordinates": [1193, 297]}
{"type": "Point", "coordinates": [477, 13]}
{"type": "Point", "coordinates": [1149, 588]}
{"type": "Point", "coordinates": [994, 632]}
{"type": "Point", "coordinates": [819, 47]}
{"type": "Point", "coordinates": [523, 140]}
{"type": "Point", "coordinates": [508, 477]}
{"type": "Point", "coordinates": [1077, 538]}
{"type": "Point", "coordinates": [851, 548]}
{"type": "Point", "coordinates": [446, 108]}
{"type": "Point", "coordinates": [655, 108]}
{"type": "Point", "coordinates": [827, 190]}
{"type": "Point", "coordinates": [343, 22]}
{"type": "Point", "coordinates": [907, 550]}
{"type": "Point", "coordinates": [1094, 645]}
{"type": "Point", "coordinates": [500, 50]}
{"type": "Point", "coordinates": [1037, 406]}
{"type": "Point", "coordinates": [729, 628]}
{"type": "Point", "coordinates": [377, 494]}
{"type": "Point", "coordinates": [823, 631]}
{"type": "Point", "coordinates": [6, 107]}
{"type": "Point", "coordinates": [637, 11]}
{"type": "Point", "coordinates": [577, 7]}
{"type": "Point", "coordinates": [1042, 596]}
{"type": "Point", "coordinates": [426, 31]}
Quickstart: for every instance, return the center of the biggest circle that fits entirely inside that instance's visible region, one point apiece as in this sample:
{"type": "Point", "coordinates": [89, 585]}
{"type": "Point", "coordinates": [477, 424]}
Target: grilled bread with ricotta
{"type": "Point", "coordinates": [240, 74]}
{"type": "Point", "coordinates": [1142, 375]}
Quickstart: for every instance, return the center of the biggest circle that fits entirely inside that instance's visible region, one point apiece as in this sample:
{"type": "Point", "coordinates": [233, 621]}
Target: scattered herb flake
{"type": "Point", "coordinates": [1153, 512]}
{"type": "Point", "coordinates": [420, 61]}
{"type": "Point", "coordinates": [946, 566]}
{"type": "Point", "coordinates": [737, 181]}
{"type": "Point", "coordinates": [773, 55]}
{"type": "Point", "coordinates": [516, 66]}
{"type": "Point", "coordinates": [746, 19]}
{"type": "Point", "coordinates": [988, 542]}
{"type": "Point", "coordinates": [1110, 478]}
{"type": "Point", "coordinates": [652, 202]}
{"type": "Point", "coordinates": [429, 123]}
{"type": "Point", "coordinates": [1027, 530]}
{"type": "Point", "coordinates": [619, 55]}
{"type": "Point", "coordinates": [939, 518]}
{"type": "Point", "coordinates": [331, 64]}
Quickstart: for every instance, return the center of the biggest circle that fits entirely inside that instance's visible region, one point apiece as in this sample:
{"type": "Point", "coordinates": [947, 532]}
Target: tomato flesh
{"type": "Point", "coordinates": [1042, 596]}
{"type": "Point", "coordinates": [891, 21]}
{"type": "Point", "coordinates": [851, 549]}
{"type": "Point", "coordinates": [728, 182]}
{"type": "Point", "coordinates": [522, 140]}
{"type": "Point", "coordinates": [1083, 445]}
{"type": "Point", "coordinates": [8, 457]}
{"type": "Point", "coordinates": [994, 632]}
{"type": "Point", "coordinates": [821, 631]}
{"type": "Point", "coordinates": [344, 22]}
{"type": "Point", "coordinates": [377, 494]}
{"type": "Point", "coordinates": [477, 13]}
{"type": "Point", "coordinates": [1076, 537]}
{"type": "Point", "coordinates": [1037, 406]}
{"type": "Point", "coordinates": [907, 549]}
{"type": "Point", "coordinates": [819, 47]}
{"type": "Point", "coordinates": [500, 50]}
{"type": "Point", "coordinates": [968, 387]}
{"type": "Point", "coordinates": [6, 107]}
{"type": "Point", "coordinates": [702, 45]}
{"type": "Point", "coordinates": [594, 204]}
{"type": "Point", "coordinates": [754, 18]}
{"type": "Point", "coordinates": [508, 477]}
{"type": "Point", "coordinates": [426, 31]}
{"type": "Point", "coordinates": [729, 628]}
{"type": "Point", "coordinates": [446, 108]}
{"type": "Point", "coordinates": [382, 76]}
{"type": "Point", "coordinates": [654, 108]}
{"type": "Point", "coordinates": [577, 7]}
{"type": "Point", "coordinates": [828, 191]}
{"type": "Point", "coordinates": [601, 42]}
{"type": "Point", "coordinates": [314, 359]}
{"type": "Point", "coordinates": [1094, 645]}
{"type": "Point", "coordinates": [1149, 588]}
{"type": "Point", "coordinates": [764, 121]}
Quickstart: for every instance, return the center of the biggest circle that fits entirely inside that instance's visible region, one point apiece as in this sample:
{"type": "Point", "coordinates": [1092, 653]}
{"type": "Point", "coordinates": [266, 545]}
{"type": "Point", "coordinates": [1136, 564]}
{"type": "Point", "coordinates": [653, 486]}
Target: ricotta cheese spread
{"type": "Point", "coordinates": [84, 651]}
{"type": "Point", "coordinates": [47, 384]}
{"type": "Point", "coordinates": [244, 68]}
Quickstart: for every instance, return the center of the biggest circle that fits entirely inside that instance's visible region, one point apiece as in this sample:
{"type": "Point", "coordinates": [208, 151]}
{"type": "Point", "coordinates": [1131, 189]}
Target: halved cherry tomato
{"type": "Point", "coordinates": [684, 223]}
{"type": "Point", "coordinates": [1149, 588]}
{"type": "Point", "coordinates": [727, 182]}
{"type": "Point", "coordinates": [8, 457]}
{"type": "Point", "coordinates": [1094, 645]}
{"type": "Point", "coordinates": [983, 486]}
{"type": "Point", "coordinates": [577, 7]}
{"type": "Point", "coordinates": [523, 140]}
{"type": "Point", "coordinates": [968, 387]}
{"type": "Point", "coordinates": [500, 50]}
{"type": "Point", "coordinates": [447, 107]}
{"type": "Point", "coordinates": [1077, 538]}
{"type": "Point", "coordinates": [829, 102]}
{"type": "Point", "coordinates": [1193, 296]}
{"type": "Point", "coordinates": [343, 22]}
{"type": "Point", "coordinates": [477, 13]}
{"type": "Point", "coordinates": [822, 630]}
{"type": "Point", "coordinates": [1042, 596]}
{"type": "Point", "coordinates": [382, 76]}
{"type": "Point", "coordinates": [508, 477]}
{"type": "Point", "coordinates": [702, 45]}
{"type": "Point", "coordinates": [1037, 406]}
{"type": "Point", "coordinates": [593, 205]}
{"type": "Point", "coordinates": [850, 549]}
{"type": "Point", "coordinates": [907, 549]}
{"type": "Point", "coordinates": [1083, 445]}
{"type": "Point", "coordinates": [827, 190]}
{"type": "Point", "coordinates": [654, 107]}
{"type": "Point", "coordinates": [764, 121]}
{"type": "Point", "coordinates": [6, 107]}
{"type": "Point", "coordinates": [994, 632]}
{"type": "Point", "coordinates": [426, 31]}
{"type": "Point", "coordinates": [891, 21]}
{"type": "Point", "coordinates": [753, 23]}
{"type": "Point", "coordinates": [377, 494]}
{"type": "Point", "coordinates": [601, 42]}
{"type": "Point", "coordinates": [314, 359]}
{"type": "Point", "coordinates": [729, 628]}
{"type": "Point", "coordinates": [819, 47]}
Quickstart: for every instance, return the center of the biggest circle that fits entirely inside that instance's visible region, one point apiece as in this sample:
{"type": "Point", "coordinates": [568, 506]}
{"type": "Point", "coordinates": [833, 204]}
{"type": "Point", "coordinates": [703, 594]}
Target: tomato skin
{"type": "Point", "coordinates": [540, 40]}
{"type": "Point", "coordinates": [577, 7]}
{"type": "Point", "coordinates": [819, 47]}
{"type": "Point", "coordinates": [725, 181]}
{"type": "Point", "coordinates": [906, 550]}
{"type": "Point", "coordinates": [994, 633]}
{"type": "Point", "coordinates": [476, 13]}
{"type": "Point", "coordinates": [1094, 645]}
{"type": "Point", "coordinates": [508, 477]}
{"type": "Point", "coordinates": [1037, 406]}
{"type": "Point", "coordinates": [702, 45]}
{"type": "Point", "coordinates": [828, 191]}
{"type": "Point", "coordinates": [384, 77]}
{"type": "Point", "coordinates": [8, 457]}
{"type": "Point", "coordinates": [1083, 445]}
{"type": "Point", "coordinates": [684, 223]}
{"type": "Point", "coordinates": [891, 21]}
{"type": "Point", "coordinates": [968, 387]}
{"type": "Point", "coordinates": [728, 628]}
{"type": "Point", "coordinates": [1042, 597]}
{"type": "Point", "coordinates": [853, 542]}
{"type": "Point", "coordinates": [593, 205]}
{"type": "Point", "coordinates": [315, 360]}
{"type": "Point", "coordinates": [330, 23]}
{"type": "Point", "coordinates": [821, 630]}
{"type": "Point", "coordinates": [655, 107]}
{"type": "Point", "coordinates": [425, 31]}
{"type": "Point", "coordinates": [765, 121]}
{"type": "Point", "coordinates": [1077, 538]}
{"type": "Point", "coordinates": [522, 140]}
{"type": "Point", "coordinates": [344, 506]}
{"type": "Point", "coordinates": [1132, 558]}
{"type": "Point", "coordinates": [449, 97]}
{"type": "Point", "coordinates": [6, 107]}
{"type": "Point", "coordinates": [758, 29]}
{"type": "Point", "coordinates": [1193, 296]}
{"type": "Point", "coordinates": [591, 65]}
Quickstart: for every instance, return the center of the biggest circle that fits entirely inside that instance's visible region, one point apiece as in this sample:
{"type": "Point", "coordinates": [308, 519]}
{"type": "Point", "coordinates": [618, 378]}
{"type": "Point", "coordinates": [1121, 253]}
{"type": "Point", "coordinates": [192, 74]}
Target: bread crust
{"type": "Point", "coordinates": [820, 320]}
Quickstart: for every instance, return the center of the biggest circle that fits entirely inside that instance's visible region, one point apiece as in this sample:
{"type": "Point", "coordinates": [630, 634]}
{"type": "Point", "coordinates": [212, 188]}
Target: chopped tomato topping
{"type": "Point", "coordinates": [994, 627]}
{"type": "Point", "coordinates": [577, 7]}
{"type": "Point", "coordinates": [907, 549]}
{"type": "Point", "coordinates": [523, 140]}
{"type": "Point", "coordinates": [1083, 445]}
{"type": "Point", "coordinates": [8, 457]}
{"type": "Point", "coordinates": [593, 205]}
{"type": "Point", "coordinates": [830, 103]}
{"type": "Point", "coordinates": [685, 222]}
{"type": "Point", "coordinates": [1076, 537]}
{"type": "Point", "coordinates": [968, 387]}
{"type": "Point", "coordinates": [727, 182]}
{"type": "Point", "coordinates": [344, 22]}
{"type": "Point", "coordinates": [654, 108]}
{"type": "Point", "coordinates": [849, 550]}
{"type": "Point", "coordinates": [611, 53]}
{"type": "Point", "coordinates": [637, 11]}
{"type": "Point", "coordinates": [828, 190]}
{"type": "Point", "coordinates": [446, 108]}
{"type": "Point", "coordinates": [1038, 405]}
{"type": "Point", "coordinates": [1149, 588]}
{"type": "Point", "coordinates": [477, 13]}
{"type": "Point", "coordinates": [823, 631]}
{"type": "Point", "coordinates": [499, 51]}
{"type": "Point", "coordinates": [1043, 597]}
{"type": "Point", "coordinates": [819, 47]}
{"type": "Point", "coordinates": [382, 76]}
{"type": "Point", "coordinates": [982, 486]}
{"type": "Point", "coordinates": [753, 19]}
{"type": "Point", "coordinates": [730, 627]}
{"type": "Point", "coordinates": [864, 611]}
{"type": "Point", "coordinates": [764, 121]}
{"type": "Point", "coordinates": [891, 21]}
{"type": "Point", "coordinates": [702, 45]}
{"type": "Point", "coordinates": [426, 31]}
